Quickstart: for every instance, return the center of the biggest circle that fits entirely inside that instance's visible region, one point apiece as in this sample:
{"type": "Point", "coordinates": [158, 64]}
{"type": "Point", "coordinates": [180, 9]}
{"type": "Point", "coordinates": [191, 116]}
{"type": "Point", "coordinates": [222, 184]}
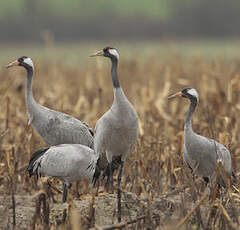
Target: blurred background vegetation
{"type": "Point", "coordinates": [74, 20]}
{"type": "Point", "coordinates": [70, 30]}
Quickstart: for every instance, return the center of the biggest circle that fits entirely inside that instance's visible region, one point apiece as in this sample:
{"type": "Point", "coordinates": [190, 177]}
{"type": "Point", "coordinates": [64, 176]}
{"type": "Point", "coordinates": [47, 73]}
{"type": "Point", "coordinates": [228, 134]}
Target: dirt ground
{"type": "Point", "coordinates": [105, 209]}
{"type": "Point", "coordinates": [167, 210]}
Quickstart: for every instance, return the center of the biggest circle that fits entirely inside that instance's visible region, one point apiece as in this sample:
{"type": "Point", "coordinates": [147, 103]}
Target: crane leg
{"type": "Point", "coordinates": [119, 191]}
{"type": "Point", "coordinates": [111, 176]}
{"type": "Point", "coordinates": [64, 198]}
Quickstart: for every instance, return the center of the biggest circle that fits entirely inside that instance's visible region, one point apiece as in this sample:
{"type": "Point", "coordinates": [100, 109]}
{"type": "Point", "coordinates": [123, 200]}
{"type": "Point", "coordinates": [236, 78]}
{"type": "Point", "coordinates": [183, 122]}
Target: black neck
{"type": "Point", "coordinates": [29, 95]}
{"type": "Point", "coordinates": [191, 110]}
{"type": "Point", "coordinates": [29, 72]}
{"type": "Point", "coordinates": [114, 73]}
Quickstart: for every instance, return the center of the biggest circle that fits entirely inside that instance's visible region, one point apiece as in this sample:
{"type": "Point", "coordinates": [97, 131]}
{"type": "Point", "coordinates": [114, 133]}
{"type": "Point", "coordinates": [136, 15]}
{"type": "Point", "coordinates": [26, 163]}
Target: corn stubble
{"type": "Point", "coordinates": [155, 170]}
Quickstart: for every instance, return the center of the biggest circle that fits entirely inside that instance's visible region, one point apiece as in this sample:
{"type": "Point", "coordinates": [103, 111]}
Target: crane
{"type": "Point", "coordinates": [66, 162]}
{"type": "Point", "coordinates": [116, 131]}
{"type": "Point", "coordinates": [201, 154]}
{"type": "Point", "coordinates": [54, 127]}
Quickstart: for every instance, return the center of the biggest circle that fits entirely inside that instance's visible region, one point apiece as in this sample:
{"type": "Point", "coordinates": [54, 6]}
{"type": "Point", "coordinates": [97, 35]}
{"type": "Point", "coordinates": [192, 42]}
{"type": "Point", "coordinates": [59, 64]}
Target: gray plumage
{"type": "Point", "coordinates": [67, 162]}
{"type": "Point", "coordinates": [54, 127]}
{"type": "Point", "coordinates": [116, 131]}
{"type": "Point", "coordinates": [201, 154]}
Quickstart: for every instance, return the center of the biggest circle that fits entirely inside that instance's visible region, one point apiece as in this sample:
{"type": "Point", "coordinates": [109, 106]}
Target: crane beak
{"type": "Point", "coordinates": [98, 53]}
{"type": "Point", "coordinates": [178, 94]}
{"type": "Point", "coordinates": [15, 63]}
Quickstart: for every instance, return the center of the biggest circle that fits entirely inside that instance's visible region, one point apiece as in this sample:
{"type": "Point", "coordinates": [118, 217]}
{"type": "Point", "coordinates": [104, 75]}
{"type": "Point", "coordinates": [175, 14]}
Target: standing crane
{"type": "Point", "coordinates": [54, 127]}
{"type": "Point", "coordinates": [67, 162]}
{"type": "Point", "coordinates": [201, 154]}
{"type": "Point", "coordinates": [116, 131]}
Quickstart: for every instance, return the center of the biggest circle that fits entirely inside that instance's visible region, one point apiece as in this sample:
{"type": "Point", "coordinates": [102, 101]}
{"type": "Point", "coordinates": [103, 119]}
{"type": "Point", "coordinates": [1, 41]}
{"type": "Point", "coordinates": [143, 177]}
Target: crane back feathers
{"type": "Point", "coordinates": [55, 127]}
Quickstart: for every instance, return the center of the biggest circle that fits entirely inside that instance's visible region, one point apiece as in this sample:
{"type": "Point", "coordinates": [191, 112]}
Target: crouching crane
{"type": "Point", "coordinates": [66, 162]}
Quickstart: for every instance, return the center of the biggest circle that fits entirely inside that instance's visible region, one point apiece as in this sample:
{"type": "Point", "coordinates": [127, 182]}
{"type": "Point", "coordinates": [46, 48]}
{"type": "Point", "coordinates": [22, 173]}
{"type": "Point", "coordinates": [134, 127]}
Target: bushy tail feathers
{"type": "Point", "coordinates": [115, 165]}
{"type": "Point", "coordinates": [104, 169]}
{"type": "Point", "coordinates": [32, 168]}
{"type": "Point", "coordinates": [96, 174]}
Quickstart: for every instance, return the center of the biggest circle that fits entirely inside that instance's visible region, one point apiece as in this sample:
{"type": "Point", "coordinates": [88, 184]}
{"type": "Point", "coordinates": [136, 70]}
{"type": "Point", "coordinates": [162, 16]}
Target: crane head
{"type": "Point", "coordinates": [24, 61]}
{"type": "Point", "coordinates": [108, 51]}
{"type": "Point", "coordinates": [187, 92]}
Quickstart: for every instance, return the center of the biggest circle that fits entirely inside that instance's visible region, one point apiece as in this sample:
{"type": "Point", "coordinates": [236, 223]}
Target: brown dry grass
{"type": "Point", "coordinates": [155, 169]}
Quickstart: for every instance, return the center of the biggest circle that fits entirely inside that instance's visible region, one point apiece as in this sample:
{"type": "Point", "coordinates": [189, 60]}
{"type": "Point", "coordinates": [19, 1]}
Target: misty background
{"type": "Point", "coordinates": [76, 20]}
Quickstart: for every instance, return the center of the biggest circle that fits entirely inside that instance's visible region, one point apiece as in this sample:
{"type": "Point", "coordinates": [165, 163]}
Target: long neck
{"type": "Point", "coordinates": [114, 73]}
{"type": "Point", "coordinates": [30, 102]}
{"type": "Point", "coordinates": [188, 122]}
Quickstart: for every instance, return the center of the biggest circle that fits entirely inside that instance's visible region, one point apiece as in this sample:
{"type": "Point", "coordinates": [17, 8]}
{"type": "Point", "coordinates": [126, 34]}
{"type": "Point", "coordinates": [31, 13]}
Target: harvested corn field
{"type": "Point", "coordinates": [159, 191]}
